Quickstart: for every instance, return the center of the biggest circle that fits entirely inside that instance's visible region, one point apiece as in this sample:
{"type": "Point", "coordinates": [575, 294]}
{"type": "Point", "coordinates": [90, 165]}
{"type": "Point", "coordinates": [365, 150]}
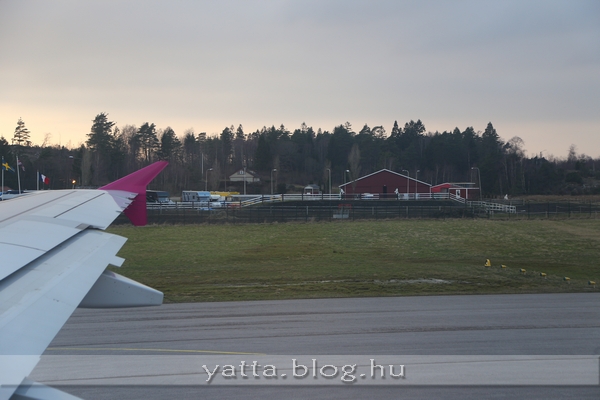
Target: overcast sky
{"type": "Point", "coordinates": [532, 68]}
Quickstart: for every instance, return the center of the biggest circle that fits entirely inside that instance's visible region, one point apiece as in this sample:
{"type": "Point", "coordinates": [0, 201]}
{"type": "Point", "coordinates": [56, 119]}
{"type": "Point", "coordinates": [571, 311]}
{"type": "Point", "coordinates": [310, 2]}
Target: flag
{"type": "Point", "coordinates": [6, 167]}
{"type": "Point", "coordinates": [44, 179]}
{"type": "Point", "coordinates": [20, 164]}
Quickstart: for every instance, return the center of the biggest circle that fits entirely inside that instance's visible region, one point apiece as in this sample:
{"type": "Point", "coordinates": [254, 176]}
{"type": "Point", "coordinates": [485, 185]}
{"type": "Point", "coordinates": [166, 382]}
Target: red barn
{"type": "Point", "coordinates": [465, 190]}
{"type": "Point", "coordinates": [386, 183]}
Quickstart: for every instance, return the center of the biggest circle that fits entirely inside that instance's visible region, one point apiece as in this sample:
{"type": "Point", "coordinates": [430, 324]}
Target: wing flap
{"type": "Point", "coordinates": [14, 258]}
{"type": "Point", "coordinates": [24, 240]}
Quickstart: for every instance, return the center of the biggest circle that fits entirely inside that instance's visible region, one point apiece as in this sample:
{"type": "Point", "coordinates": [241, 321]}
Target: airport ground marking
{"type": "Point", "coordinates": [157, 350]}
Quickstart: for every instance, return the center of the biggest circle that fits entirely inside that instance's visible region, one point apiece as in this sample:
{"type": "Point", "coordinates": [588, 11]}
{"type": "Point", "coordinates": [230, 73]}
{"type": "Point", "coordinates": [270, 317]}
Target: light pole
{"type": "Point", "coordinates": [329, 171]}
{"type": "Point", "coordinates": [346, 172]}
{"type": "Point", "coordinates": [244, 180]}
{"type": "Point", "coordinates": [416, 181]}
{"type": "Point", "coordinates": [73, 168]}
{"type": "Point", "coordinates": [479, 176]}
{"type": "Point", "coordinates": [407, 180]}
{"type": "Point", "coordinates": [273, 170]}
{"type": "Point", "coordinates": [206, 181]}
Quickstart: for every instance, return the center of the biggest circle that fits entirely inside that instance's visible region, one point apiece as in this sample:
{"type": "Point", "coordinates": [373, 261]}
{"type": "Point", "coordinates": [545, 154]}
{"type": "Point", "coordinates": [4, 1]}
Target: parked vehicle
{"type": "Point", "coordinates": [158, 196]}
{"type": "Point", "coordinates": [203, 198]}
{"type": "Point", "coordinates": [195, 196]}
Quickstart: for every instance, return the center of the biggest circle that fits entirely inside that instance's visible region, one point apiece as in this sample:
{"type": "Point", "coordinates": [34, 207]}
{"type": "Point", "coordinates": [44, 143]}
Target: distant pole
{"type": "Point", "coordinates": [407, 180]}
{"type": "Point", "coordinates": [416, 182]}
{"type": "Point", "coordinates": [244, 179]}
{"type": "Point", "coordinates": [18, 175]}
{"type": "Point", "coordinates": [346, 172]}
{"type": "Point", "coordinates": [329, 171]}
{"type": "Point", "coordinates": [206, 181]}
{"type": "Point", "coordinates": [273, 170]}
{"type": "Point", "coordinates": [479, 176]}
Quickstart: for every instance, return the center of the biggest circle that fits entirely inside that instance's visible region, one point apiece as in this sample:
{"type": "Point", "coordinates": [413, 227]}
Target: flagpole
{"type": "Point", "coordinates": [18, 175]}
{"type": "Point", "coordinates": [38, 179]}
{"type": "Point", "coordinates": [2, 190]}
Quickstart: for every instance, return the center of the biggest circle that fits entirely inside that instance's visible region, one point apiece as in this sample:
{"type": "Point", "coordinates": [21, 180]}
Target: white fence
{"type": "Point", "coordinates": [494, 207]}
{"type": "Point", "coordinates": [276, 198]}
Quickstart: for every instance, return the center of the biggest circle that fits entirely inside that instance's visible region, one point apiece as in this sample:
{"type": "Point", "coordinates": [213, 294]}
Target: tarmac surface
{"type": "Point", "coordinates": [495, 326]}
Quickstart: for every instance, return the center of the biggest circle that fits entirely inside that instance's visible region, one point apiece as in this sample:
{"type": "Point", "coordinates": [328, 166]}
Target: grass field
{"type": "Point", "coordinates": [362, 258]}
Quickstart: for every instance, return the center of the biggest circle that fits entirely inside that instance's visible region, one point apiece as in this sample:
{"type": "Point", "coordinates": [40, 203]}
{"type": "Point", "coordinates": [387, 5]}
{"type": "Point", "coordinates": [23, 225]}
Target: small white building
{"type": "Point", "coordinates": [244, 175]}
{"type": "Point", "coordinates": [312, 189]}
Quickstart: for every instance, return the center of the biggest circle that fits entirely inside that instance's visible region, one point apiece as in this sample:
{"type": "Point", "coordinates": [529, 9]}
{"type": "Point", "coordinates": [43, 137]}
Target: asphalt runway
{"type": "Point", "coordinates": [491, 325]}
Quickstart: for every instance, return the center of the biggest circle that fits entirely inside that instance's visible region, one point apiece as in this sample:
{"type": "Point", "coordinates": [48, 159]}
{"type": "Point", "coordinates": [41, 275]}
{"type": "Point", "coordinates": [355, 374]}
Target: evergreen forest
{"type": "Point", "coordinates": [295, 158]}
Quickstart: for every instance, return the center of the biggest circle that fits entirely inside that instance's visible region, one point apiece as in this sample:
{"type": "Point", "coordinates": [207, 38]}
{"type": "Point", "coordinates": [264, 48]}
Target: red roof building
{"type": "Point", "coordinates": [466, 190]}
{"type": "Point", "coordinates": [386, 183]}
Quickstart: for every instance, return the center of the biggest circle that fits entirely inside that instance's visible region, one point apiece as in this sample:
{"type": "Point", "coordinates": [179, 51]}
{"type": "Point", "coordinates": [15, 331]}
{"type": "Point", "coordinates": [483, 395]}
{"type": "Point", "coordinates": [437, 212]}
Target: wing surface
{"type": "Point", "coordinates": [52, 254]}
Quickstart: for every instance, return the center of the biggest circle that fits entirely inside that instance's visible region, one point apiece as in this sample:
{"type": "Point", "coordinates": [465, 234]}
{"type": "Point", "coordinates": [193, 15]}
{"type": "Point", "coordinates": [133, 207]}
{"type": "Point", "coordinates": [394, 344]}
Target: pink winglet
{"type": "Point", "coordinates": [136, 182]}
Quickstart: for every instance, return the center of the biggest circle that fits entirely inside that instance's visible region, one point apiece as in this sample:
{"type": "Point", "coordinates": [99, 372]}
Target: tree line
{"type": "Point", "coordinates": [299, 157]}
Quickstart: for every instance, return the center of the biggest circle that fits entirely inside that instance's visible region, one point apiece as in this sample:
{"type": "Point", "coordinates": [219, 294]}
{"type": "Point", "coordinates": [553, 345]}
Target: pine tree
{"type": "Point", "coordinates": [21, 136]}
{"type": "Point", "coordinates": [170, 145]}
{"type": "Point", "coordinates": [148, 140]}
{"type": "Point", "coordinates": [100, 138]}
{"type": "Point", "coordinates": [262, 157]}
{"type": "Point", "coordinates": [227, 145]}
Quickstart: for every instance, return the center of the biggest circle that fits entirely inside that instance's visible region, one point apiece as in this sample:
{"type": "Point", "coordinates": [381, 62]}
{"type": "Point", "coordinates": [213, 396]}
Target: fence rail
{"type": "Point", "coordinates": [280, 198]}
{"type": "Point", "coordinates": [349, 210]}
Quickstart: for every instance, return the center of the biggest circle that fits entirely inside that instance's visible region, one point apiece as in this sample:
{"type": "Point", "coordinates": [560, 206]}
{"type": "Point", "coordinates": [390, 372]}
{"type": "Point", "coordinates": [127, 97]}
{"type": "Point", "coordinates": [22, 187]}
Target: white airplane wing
{"type": "Point", "coordinates": [53, 259]}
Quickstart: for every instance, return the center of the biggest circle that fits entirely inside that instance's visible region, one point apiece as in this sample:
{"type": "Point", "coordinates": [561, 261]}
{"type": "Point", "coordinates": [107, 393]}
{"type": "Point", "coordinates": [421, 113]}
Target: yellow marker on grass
{"type": "Point", "coordinates": [488, 263]}
{"type": "Point", "coordinates": [543, 275]}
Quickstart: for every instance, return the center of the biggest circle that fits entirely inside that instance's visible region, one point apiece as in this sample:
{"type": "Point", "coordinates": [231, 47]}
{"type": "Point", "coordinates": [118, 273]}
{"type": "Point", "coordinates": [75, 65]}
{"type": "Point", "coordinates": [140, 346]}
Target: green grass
{"type": "Point", "coordinates": [362, 258]}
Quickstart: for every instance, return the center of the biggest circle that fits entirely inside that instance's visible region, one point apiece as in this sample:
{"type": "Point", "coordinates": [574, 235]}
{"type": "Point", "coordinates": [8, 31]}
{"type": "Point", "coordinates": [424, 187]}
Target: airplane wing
{"type": "Point", "coordinates": [53, 259]}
